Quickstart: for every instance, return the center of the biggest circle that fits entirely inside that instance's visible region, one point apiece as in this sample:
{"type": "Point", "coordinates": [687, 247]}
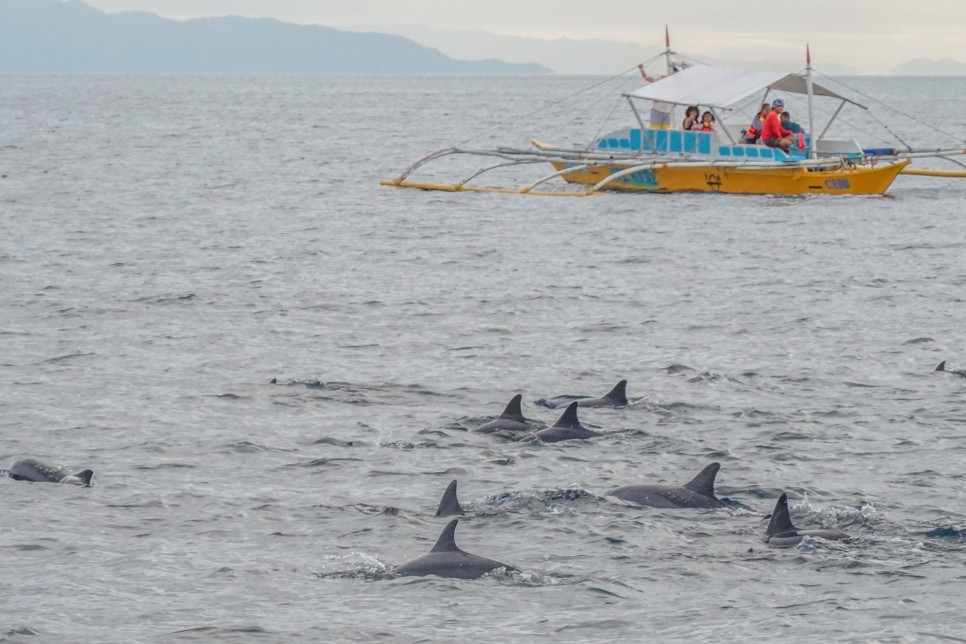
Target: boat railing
{"type": "Point", "coordinates": [687, 144]}
{"type": "Point", "coordinates": [658, 141]}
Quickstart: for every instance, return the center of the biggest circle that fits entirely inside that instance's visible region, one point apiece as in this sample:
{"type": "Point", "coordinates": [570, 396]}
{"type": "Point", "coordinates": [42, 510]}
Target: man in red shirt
{"type": "Point", "coordinates": [772, 133]}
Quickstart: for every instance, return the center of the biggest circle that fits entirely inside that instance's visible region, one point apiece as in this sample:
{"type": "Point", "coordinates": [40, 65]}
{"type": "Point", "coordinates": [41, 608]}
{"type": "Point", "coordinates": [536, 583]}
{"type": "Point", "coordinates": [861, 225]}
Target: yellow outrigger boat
{"type": "Point", "coordinates": [646, 159]}
{"type": "Point", "coordinates": [838, 177]}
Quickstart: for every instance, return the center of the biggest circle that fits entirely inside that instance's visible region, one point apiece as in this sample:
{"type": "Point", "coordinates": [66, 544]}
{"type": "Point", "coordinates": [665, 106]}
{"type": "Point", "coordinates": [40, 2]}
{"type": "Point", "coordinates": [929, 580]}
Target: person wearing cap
{"type": "Point", "coordinates": [772, 133]}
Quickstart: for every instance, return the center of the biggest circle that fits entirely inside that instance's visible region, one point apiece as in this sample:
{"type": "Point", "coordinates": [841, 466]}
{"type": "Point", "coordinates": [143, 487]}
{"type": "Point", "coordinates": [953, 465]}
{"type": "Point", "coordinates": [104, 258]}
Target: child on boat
{"type": "Point", "coordinates": [706, 124]}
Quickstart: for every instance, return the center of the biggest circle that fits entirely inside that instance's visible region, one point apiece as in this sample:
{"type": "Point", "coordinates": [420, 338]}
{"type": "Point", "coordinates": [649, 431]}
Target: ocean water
{"type": "Point", "coordinates": [170, 245]}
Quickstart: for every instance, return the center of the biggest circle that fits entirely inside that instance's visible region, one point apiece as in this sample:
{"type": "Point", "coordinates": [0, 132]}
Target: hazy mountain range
{"type": "Point", "coordinates": [568, 56]}
{"type": "Point", "coordinates": [41, 36]}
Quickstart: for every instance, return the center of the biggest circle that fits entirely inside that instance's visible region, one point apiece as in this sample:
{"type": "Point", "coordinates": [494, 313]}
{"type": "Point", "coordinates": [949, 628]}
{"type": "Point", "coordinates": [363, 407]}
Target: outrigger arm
{"type": "Point", "coordinates": [442, 152]}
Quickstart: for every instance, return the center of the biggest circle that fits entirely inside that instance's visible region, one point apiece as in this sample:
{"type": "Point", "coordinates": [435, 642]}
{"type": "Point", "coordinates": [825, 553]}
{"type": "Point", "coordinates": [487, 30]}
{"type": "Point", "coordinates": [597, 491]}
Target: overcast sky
{"type": "Point", "coordinates": [872, 36]}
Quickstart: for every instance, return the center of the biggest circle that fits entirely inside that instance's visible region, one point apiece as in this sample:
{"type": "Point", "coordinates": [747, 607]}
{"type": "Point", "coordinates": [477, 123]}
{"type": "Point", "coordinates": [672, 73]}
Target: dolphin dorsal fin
{"type": "Point", "coordinates": [449, 505]}
{"type": "Point", "coordinates": [513, 411]}
{"type": "Point", "coordinates": [85, 476]}
{"type": "Point", "coordinates": [703, 483]}
{"type": "Point", "coordinates": [780, 522]}
{"type": "Point", "coordinates": [447, 538]}
{"type": "Point", "coordinates": [569, 418]}
{"type": "Point", "coordinates": [942, 366]}
{"type": "Point", "coordinates": [618, 393]}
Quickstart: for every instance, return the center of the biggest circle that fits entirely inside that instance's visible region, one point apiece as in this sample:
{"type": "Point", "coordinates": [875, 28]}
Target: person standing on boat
{"type": "Point", "coordinates": [753, 133]}
{"type": "Point", "coordinates": [660, 118]}
{"type": "Point", "coordinates": [772, 133]}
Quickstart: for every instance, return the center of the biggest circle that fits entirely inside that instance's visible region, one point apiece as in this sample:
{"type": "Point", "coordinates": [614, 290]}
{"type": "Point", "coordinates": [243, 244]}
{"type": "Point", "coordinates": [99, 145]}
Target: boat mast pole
{"type": "Point", "coordinates": [808, 85]}
{"type": "Point", "coordinates": [670, 69]}
{"type": "Point", "coordinates": [667, 50]}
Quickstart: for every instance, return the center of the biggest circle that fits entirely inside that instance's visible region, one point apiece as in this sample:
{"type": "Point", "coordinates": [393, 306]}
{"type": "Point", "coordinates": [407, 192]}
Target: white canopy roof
{"type": "Point", "coordinates": [721, 87]}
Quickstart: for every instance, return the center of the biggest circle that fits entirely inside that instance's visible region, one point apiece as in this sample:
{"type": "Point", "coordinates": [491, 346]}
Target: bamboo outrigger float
{"type": "Point", "coordinates": [642, 159]}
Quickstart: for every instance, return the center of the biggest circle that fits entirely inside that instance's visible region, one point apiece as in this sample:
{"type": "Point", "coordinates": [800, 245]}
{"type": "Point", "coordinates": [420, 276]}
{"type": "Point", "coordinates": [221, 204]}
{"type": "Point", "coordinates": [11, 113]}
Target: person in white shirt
{"type": "Point", "coordinates": [660, 118]}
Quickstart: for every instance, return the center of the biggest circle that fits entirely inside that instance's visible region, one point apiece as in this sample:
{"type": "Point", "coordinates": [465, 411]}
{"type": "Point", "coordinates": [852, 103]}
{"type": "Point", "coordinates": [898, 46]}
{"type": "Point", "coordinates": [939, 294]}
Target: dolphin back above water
{"type": "Point", "coordinates": [567, 428]}
{"type": "Point", "coordinates": [616, 397]}
{"type": "Point", "coordinates": [30, 469]}
{"type": "Point", "coordinates": [447, 560]}
{"type": "Point", "coordinates": [511, 420]}
{"type": "Point", "coordinates": [449, 505]}
{"type": "Point", "coordinates": [696, 493]}
{"type": "Point", "coordinates": [942, 367]}
{"type": "Point", "coordinates": [781, 532]}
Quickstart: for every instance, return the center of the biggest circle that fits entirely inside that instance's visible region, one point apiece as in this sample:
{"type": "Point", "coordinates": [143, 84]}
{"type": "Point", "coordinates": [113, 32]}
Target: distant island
{"type": "Point", "coordinates": [51, 36]}
{"type": "Point", "coordinates": [69, 36]}
{"type": "Point", "coordinates": [600, 57]}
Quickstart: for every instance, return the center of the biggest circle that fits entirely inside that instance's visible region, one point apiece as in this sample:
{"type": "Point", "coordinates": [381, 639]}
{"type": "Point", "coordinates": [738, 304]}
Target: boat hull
{"type": "Point", "coordinates": [778, 180]}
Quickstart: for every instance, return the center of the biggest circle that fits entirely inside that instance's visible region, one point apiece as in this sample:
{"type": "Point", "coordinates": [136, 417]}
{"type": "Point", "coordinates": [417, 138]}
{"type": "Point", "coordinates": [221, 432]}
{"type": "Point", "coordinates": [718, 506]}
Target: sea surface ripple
{"type": "Point", "coordinates": [169, 246]}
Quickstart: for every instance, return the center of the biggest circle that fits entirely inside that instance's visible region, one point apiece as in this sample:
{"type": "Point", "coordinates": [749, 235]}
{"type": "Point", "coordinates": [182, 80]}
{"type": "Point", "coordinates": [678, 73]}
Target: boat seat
{"type": "Point", "coordinates": [849, 148]}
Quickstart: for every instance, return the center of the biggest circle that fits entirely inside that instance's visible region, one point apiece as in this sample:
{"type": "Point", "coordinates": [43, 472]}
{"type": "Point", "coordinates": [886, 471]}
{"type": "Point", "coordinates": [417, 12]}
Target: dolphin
{"type": "Point", "coordinates": [782, 533]}
{"type": "Point", "coordinates": [449, 505]}
{"type": "Point", "coordinates": [30, 469]}
{"type": "Point", "coordinates": [696, 493]}
{"type": "Point", "coordinates": [447, 560]}
{"type": "Point", "coordinates": [616, 397]}
{"type": "Point", "coordinates": [566, 428]}
{"type": "Point", "coordinates": [942, 367]}
{"type": "Point", "coordinates": [511, 420]}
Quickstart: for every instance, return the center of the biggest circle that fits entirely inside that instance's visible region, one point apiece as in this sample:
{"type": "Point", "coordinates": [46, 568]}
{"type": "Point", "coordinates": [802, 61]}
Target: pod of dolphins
{"type": "Point", "coordinates": [446, 559]}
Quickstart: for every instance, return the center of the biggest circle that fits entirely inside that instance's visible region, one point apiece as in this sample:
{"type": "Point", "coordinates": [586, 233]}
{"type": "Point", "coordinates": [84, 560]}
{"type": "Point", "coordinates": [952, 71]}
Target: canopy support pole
{"type": "Point", "coordinates": [640, 121]}
{"type": "Point", "coordinates": [829, 124]}
{"type": "Point", "coordinates": [718, 119]}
